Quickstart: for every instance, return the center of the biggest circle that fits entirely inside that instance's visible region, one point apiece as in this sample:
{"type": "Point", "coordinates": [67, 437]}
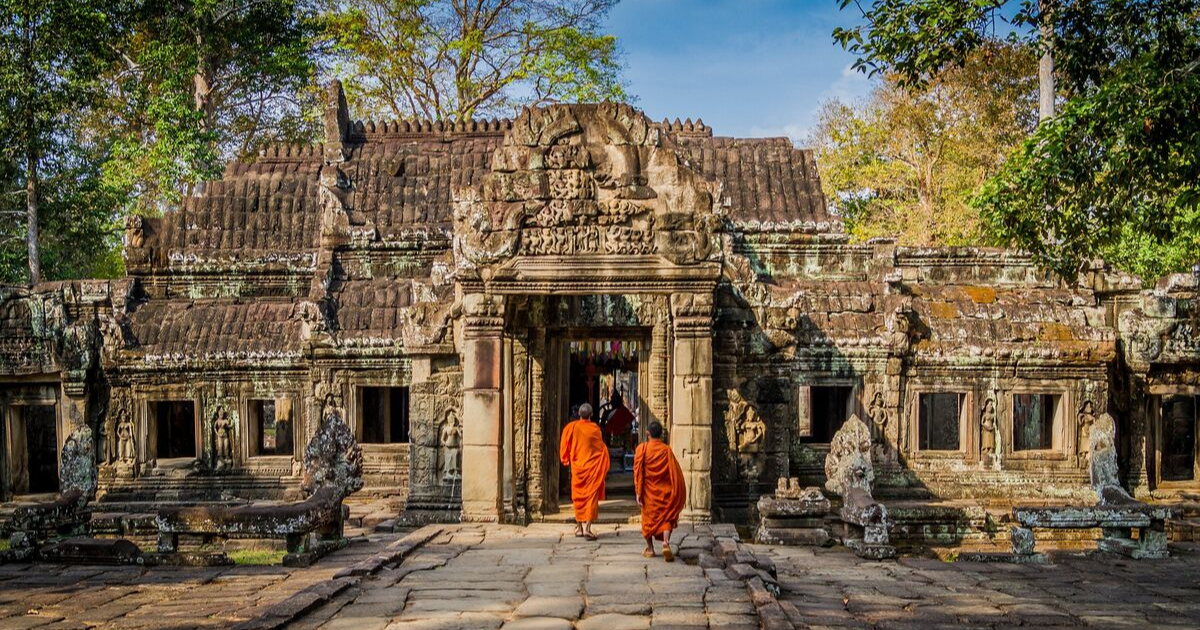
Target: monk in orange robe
{"type": "Point", "coordinates": [661, 493]}
{"type": "Point", "coordinates": [582, 448]}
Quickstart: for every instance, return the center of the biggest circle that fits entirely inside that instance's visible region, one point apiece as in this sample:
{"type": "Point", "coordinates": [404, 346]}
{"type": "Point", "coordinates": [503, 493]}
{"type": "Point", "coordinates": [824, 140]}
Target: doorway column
{"type": "Point", "coordinates": [691, 399]}
{"type": "Point", "coordinates": [483, 420]}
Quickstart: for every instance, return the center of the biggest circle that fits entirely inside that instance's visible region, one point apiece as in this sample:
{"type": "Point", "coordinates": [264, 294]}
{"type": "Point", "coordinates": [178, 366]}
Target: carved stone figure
{"type": "Point", "coordinates": [450, 446]}
{"type": "Point", "coordinates": [848, 464]}
{"type": "Point", "coordinates": [134, 232]}
{"type": "Point", "coordinates": [879, 417]}
{"type": "Point", "coordinates": [751, 433]}
{"type": "Point", "coordinates": [77, 466]}
{"type": "Point", "coordinates": [1104, 470]}
{"type": "Point", "coordinates": [125, 438]}
{"type": "Point", "coordinates": [333, 457]}
{"type": "Point", "coordinates": [223, 438]}
{"type": "Point", "coordinates": [1087, 419]}
{"type": "Point", "coordinates": [987, 428]}
{"type": "Point", "coordinates": [849, 473]}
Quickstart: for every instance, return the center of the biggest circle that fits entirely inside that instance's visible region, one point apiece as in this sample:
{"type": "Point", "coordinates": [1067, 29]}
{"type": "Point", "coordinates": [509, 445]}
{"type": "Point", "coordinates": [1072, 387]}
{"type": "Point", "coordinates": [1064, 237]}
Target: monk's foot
{"type": "Point", "coordinates": [590, 536]}
{"type": "Point", "coordinates": [668, 555]}
{"type": "Point", "coordinates": [648, 553]}
{"type": "Point", "coordinates": [579, 532]}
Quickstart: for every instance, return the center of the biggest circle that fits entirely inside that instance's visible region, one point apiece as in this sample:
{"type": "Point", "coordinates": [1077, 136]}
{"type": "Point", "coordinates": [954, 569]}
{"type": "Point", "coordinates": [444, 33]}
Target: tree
{"type": "Point", "coordinates": [199, 82]}
{"type": "Point", "coordinates": [1115, 172]}
{"type": "Point", "coordinates": [905, 162]}
{"type": "Point", "coordinates": [50, 59]}
{"type": "Point", "coordinates": [459, 59]}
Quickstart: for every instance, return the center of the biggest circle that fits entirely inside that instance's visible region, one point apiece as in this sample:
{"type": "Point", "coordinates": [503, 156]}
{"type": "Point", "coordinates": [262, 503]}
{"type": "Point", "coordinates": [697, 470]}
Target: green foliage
{"type": "Point", "coordinates": [447, 60]}
{"type": "Point", "coordinates": [201, 82]}
{"type": "Point", "coordinates": [905, 163]}
{"type": "Point", "coordinates": [1115, 173]}
{"type": "Point", "coordinates": [50, 54]}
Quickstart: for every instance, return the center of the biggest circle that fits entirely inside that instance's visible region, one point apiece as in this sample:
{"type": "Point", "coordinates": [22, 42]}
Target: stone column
{"type": "Point", "coordinates": [691, 399]}
{"type": "Point", "coordinates": [483, 405]}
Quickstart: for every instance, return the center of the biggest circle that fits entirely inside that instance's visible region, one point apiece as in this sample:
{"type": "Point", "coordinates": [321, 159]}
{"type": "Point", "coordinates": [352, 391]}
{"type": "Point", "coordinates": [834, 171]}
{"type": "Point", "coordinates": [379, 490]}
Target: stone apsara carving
{"type": "Point", "coordinates": [1086, 420]}
{"type": "Point", "coordinates": [223, 438]}
{"type": "Point", "coordinates": [751, 434]}
{"type": "Point", "coordinates": [879, 417]}
{"type": "Point", "coordinates": [450, 447]}
{"type": "Point", "coordinates": [126, 438]}
{"type": "Point", "coordinates": [987, 428]}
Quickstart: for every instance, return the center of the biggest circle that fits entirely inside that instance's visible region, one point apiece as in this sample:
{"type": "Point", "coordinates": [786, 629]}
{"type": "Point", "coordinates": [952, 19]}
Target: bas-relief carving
{"type": "Point", "coordinates": [559, 186]}
{"type": "Point", "coordinates": [987, 428]}
{"type": "Point", "coordinates": [222, 439]}
{"type": "Point", "coordinates": [1085, 421]}
{"type": "Point", "coordinates": [450, 448]}
{"type": "Point", "coordinates": [751, 433]}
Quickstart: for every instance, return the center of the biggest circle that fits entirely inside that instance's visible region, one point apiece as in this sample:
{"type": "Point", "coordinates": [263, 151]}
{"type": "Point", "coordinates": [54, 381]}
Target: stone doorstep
{"type": "Point", "coordinates": [308, 599]}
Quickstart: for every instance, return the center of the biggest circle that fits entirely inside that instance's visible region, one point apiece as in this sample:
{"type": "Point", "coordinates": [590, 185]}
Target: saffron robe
{"type": "Point", "coordinates": [582, 448]}
{"type": "Point", "coordinates": [658, 482]}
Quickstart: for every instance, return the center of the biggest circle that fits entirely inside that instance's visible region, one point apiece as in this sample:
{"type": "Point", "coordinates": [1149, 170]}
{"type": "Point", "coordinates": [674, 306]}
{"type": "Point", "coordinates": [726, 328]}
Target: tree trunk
{"type": "Point", "coordinates": [1046, 63]}
{"type": "Point", "coordinates": [31, 216]}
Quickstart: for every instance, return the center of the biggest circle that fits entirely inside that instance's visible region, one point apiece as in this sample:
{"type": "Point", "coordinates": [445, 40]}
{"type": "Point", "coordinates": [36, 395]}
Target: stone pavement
{"type": "Point", "coordinates": [832, 588]}
{"type": "Point", "coordinates": [57, 597]}
{"type": "Point", "coordinates": [538, 577]}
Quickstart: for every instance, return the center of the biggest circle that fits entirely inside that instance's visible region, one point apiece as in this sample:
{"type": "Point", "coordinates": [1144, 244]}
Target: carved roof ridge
{"type": "Point", "coordinates": [370, 129]}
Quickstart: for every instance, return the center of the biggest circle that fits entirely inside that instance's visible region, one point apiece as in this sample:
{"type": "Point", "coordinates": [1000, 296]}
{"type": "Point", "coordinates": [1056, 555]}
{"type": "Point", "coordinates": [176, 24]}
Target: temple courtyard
{"type": "Point", "coordinates": [541, 577]}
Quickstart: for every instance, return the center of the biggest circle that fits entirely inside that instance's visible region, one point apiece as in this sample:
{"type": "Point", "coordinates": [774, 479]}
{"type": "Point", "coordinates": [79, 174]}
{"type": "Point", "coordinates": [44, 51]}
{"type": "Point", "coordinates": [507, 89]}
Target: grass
{"type": "Point", "coordinates": [257, 556]}
{"type": "Point", "coordinates": [4, 544]}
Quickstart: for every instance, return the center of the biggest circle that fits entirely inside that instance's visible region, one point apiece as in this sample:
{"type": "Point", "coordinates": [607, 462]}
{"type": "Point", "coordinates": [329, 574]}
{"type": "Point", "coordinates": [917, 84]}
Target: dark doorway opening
{"type": "Point", "coordinates": [175, 426]}
{"type": "Point", "coordinates": [1178, 441]}
{"type": "Point", "coordinates": [41, 440]}
{"type": "Point", "coordinates": [384, 415]}
{"type": "Point", "coordinates": [604, 373]}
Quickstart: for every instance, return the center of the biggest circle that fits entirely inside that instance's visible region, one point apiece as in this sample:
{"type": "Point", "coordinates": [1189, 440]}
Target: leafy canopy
{"type": "Point", "coordinates": [905, 163]}
{"type": "Point", "coordinates": [1115, 173]}
{"type": "Point", "coordinates": [459, 59]}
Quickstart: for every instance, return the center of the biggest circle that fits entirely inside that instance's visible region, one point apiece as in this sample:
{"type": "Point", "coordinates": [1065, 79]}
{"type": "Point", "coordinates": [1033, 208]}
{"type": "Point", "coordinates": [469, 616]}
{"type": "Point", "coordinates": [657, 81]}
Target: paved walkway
{"type": "Point", "coordinates": [538, 577]}
{"type": "Point", "coordinates": [834, 588]}
{"type": "Point", "coordinates": [57, 597]}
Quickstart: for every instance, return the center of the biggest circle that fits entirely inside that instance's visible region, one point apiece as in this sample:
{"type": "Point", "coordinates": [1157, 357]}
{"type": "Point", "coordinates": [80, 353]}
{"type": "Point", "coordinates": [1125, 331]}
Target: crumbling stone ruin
{"type": "Point", "coordinates": [433, 280]}
{"type": "Point", "coordinates": [793, 516]}
{"type": "Point", "coordinates": [850, 475]}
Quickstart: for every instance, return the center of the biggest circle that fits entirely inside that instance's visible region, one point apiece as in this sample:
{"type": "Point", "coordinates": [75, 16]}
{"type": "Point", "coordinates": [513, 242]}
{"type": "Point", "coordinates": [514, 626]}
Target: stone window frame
{"type": "Point", "coordinates": [1062, 444]}
{"type": "Point", "coordinates": [147, 448]}
{"type": "Point", "coordinates": [968, 422]}
{"type": "Point", "coordinates": [386, 378]}
{"type": "Point", "coordinates": [1157, 395]}
{"type": "Point", "coordinates": [803, 401]}
{"type": "Point", "coordinates": [247, 435]}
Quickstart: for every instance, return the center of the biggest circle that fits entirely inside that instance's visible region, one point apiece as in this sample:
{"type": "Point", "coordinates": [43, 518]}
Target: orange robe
{"type": "Point", "coordinates": [583, 449]}
{"type": "Point", "coordinates": [658, 481]}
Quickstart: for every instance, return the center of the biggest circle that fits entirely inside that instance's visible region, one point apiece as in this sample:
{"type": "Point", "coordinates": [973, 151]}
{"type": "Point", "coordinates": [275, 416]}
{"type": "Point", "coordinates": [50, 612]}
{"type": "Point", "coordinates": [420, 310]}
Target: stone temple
{"type": "Point", "coordinates": [456, 288]}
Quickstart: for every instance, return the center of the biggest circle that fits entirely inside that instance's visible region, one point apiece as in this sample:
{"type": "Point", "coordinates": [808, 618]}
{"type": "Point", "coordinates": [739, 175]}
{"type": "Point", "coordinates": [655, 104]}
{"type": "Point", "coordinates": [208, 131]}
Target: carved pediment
{"type": "Point", "coordinates": [585, 180]}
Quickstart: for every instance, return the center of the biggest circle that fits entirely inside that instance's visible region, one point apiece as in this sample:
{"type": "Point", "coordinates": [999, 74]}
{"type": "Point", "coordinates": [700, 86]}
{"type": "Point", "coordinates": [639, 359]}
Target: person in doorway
{"type": "Point", "coordinates": [618, 425]}
{"type": "Point", "coordinates": [582, 448]}
{"type": "Point", "coordinates": [661, 492]}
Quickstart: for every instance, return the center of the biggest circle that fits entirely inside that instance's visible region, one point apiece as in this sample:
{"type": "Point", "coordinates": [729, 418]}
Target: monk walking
{"type": "Point", "coordinates": [661, 493]}
{"type": "Point", "coordinates": [583, 449]}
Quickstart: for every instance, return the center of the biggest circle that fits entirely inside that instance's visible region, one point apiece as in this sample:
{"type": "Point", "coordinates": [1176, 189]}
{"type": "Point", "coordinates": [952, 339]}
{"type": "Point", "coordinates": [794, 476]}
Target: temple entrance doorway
{"type": "Point", "coordinates": [608, 369]}
{"type": "Point", "coordinates": [603, 372]}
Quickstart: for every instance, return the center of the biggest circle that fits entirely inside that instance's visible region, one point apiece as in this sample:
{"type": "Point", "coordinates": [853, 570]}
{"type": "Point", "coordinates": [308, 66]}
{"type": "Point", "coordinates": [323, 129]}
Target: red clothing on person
{"type": "Point", "coordinates": [619, 421]}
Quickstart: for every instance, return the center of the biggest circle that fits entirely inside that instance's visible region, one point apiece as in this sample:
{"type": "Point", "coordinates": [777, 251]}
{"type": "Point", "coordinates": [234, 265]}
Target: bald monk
{"type": "Point", "coordinates": [661, 493]}
{"type": "Point", "coordinates": [583, 449]}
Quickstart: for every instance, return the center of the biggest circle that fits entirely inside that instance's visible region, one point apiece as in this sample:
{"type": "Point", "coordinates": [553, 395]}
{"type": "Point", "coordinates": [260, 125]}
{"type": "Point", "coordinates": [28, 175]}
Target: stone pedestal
{"type": "Point", "coordinates": [793, 517]}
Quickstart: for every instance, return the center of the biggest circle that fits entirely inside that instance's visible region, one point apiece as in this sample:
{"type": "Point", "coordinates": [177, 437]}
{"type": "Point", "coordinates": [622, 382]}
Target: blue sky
{"type": "Point", "coordinates": [749, 68]}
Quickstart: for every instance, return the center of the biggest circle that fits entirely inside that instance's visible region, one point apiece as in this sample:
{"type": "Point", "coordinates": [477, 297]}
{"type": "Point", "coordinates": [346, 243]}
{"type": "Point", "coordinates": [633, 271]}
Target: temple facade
{"type": "Point", "coordinates": [457, 288]}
